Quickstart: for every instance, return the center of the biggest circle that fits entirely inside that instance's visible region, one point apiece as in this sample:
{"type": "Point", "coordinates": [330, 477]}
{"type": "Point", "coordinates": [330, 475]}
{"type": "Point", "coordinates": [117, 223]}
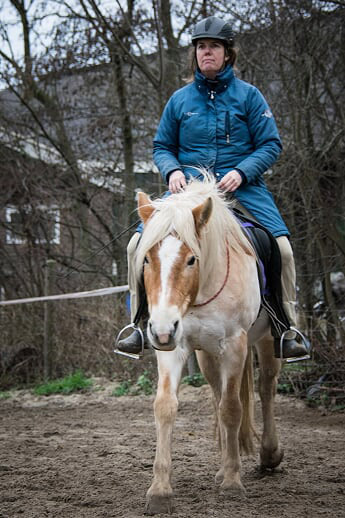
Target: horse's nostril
{"type": "Point", "coordinates": [175, 326]}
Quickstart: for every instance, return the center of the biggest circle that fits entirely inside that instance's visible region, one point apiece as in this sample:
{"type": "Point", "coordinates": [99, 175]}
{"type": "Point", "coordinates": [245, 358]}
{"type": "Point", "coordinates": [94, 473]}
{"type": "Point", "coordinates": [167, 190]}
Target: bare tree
{"type": "Point", "coordinates": [38, 86]}
{"type": "Point", "coordinates": [300, 68]}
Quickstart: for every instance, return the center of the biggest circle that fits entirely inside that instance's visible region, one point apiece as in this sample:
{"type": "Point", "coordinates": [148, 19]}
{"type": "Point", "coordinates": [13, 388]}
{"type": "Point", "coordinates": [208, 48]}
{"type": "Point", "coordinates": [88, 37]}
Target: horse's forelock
{"type": "Point", "coordinates": [167, 219]}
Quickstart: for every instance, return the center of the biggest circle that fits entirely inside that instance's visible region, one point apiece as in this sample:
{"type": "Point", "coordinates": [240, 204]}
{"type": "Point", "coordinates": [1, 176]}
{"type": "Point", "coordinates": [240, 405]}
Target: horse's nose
{"type": "Point", "coordinates": [167, 338]}
{"type": "Point", "coordinates": [163, 336]}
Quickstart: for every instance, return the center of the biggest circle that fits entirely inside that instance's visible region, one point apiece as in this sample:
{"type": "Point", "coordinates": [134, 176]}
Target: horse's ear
{"type": "Point", "coordinates": [145, 207]}
{"type": "Point", "coordinates": [202, 214]}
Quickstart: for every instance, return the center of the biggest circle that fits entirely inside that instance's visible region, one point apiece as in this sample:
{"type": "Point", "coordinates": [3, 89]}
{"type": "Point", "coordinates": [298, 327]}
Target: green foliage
{"type": "Point", "coordinates": [143, 385]}
{"type": "Point", "coordinates": [196, 380]}
{"type": "Point", "coordinates": [297, 366]}
{"type": "Point", "coordinates": [5, 395]}
{"type": "Point", "coordinates": [285, 388]}
{"type": "Point", "coordinates": [72, 383]}
{"type": "Point", "coordinates": [123, 389]}
{"type": "Point", "coordinates": [293, 378]}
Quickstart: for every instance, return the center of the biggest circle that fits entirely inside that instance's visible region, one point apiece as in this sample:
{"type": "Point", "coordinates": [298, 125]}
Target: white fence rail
{"type": "Point", "coordinates": [79, 295]}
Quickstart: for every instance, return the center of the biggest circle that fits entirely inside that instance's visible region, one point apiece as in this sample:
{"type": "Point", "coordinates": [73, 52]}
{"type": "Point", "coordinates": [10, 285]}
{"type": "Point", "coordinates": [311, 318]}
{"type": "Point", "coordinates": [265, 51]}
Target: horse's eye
{"type": "Point", "coordinates": [191, 261]}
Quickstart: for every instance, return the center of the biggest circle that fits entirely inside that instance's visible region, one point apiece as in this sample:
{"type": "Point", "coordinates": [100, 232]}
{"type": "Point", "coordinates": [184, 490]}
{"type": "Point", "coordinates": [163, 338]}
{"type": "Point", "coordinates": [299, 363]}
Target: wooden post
{"type": "Point", "coordinates": [49, 275]}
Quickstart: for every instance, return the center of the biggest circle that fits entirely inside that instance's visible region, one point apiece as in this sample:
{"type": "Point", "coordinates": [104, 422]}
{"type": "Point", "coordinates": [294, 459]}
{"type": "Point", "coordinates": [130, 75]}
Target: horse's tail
{"type": "Point", "coordinates": [247, 429]}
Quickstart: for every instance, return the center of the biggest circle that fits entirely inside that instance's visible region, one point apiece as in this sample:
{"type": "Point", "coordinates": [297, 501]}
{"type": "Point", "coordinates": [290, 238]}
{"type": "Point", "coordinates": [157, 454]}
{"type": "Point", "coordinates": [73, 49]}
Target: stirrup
{"type": "Point", "coordinates": [134, 356]}
{"type": "Point", "coordinates": [297, 358]}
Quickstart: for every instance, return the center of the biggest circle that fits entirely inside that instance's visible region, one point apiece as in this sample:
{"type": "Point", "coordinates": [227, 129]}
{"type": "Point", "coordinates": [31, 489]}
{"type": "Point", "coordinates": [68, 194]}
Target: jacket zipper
{"type": "Point", "coordinates": [227, 127]}
{"type": "Point", "coordinates": [212, 92]}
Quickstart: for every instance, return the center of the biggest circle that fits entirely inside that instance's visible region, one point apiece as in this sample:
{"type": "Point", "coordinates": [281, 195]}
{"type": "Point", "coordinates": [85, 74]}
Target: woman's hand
{"type": "Point", "coordinates": [177, 181]}
{"type": "Point", "coordinates": [231, 181]}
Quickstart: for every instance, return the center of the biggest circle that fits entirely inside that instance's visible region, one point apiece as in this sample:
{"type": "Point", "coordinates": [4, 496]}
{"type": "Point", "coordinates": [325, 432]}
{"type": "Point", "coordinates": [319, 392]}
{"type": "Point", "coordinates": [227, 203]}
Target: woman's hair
{"type": "Point", "coordinates": [230, 52]}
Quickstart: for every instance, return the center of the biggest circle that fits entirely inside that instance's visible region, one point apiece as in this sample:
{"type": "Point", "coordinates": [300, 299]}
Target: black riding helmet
{"type": "Point", "coordinates": [214, 28]}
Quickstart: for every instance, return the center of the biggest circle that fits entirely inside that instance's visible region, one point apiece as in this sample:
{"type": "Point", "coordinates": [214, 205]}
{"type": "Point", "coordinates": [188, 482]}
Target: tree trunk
{"type": "Point", "coordinates": [124, 204]}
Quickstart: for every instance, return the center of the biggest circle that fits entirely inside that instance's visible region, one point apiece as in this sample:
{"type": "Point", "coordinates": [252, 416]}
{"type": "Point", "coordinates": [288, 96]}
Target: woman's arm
{"type": "Point", "coordinates": [265, 137]}
{"type": "Point", "coordinates": [165, 144]}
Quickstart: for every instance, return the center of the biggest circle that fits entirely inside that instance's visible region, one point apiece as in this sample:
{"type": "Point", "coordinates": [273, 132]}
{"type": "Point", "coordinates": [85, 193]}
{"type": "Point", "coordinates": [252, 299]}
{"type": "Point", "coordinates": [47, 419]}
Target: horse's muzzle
{"type": "Point", "coordinates": [163, 339]}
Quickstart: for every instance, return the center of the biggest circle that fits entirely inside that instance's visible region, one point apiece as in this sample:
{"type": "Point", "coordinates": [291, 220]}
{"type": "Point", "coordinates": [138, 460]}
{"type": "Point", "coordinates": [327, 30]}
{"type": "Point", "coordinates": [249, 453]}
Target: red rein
{"type": "Point", "coordinates": [222, 286]}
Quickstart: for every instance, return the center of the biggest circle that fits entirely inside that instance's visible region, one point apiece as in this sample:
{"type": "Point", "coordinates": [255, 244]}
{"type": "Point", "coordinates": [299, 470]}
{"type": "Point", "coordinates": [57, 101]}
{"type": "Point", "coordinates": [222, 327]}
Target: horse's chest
{"type": "Point", "coordinates": [205, 334]}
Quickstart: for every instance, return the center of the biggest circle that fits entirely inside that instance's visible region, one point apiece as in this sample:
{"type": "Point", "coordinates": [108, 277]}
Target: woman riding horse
{"type": "Point", "coordinates": [224, 125]}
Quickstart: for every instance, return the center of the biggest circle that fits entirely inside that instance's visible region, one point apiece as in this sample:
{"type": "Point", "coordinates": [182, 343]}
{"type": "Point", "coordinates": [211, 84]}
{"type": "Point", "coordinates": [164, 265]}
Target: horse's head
{"type": "Point", "coordinates": [171, 269]}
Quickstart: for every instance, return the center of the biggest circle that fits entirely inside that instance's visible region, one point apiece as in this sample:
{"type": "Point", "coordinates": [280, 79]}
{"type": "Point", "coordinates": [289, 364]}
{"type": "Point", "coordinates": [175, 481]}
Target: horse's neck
{"type": "Point", "coordinates": [214, 267]}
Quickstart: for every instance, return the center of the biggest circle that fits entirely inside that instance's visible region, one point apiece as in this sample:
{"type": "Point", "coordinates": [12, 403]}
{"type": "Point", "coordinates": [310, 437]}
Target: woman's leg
{"type": "Point", "coordinates": [291, 348]}
{"type": "Point", "coordinates": [132, 279]}
{"type": "Point", "coordinates": [288, 282]}
{"type": "Point", "coordinates": [288, 275]}
{"type": "Point", "coordinates": [132, 344]}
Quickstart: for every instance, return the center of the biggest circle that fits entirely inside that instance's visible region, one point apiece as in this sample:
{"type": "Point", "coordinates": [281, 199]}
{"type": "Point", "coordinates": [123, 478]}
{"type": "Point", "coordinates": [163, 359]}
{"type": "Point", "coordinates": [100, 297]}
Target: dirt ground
{"type": "Point", "coordinates": [90, 455]}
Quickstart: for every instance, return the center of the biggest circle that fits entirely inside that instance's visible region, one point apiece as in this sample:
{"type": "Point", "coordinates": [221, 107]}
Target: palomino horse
{"type": "Point", "coordinates": [203, 294]}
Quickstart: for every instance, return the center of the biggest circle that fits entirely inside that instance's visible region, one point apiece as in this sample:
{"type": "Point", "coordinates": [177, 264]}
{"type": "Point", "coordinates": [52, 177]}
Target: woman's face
{"type": "Point", "coordinates": [210, 56]}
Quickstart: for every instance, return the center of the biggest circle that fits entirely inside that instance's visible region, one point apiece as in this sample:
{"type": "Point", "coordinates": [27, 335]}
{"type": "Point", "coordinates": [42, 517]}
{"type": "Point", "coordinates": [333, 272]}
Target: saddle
{"type": "Point", "coordinates": [269, 271]}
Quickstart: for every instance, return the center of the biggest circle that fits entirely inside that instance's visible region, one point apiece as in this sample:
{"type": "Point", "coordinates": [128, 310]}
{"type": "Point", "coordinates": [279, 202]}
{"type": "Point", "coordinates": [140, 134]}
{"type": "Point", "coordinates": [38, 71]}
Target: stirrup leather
{"type": "Point", "coordinates": [130, 355]}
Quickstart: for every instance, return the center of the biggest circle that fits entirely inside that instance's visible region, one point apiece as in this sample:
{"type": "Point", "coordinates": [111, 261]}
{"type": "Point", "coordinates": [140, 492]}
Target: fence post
{"type": "Point", "coordinates": [49, 275]}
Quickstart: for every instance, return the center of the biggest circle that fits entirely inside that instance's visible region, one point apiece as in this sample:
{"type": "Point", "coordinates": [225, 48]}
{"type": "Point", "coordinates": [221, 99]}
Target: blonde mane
{"type": "Point", "coordinates": [173, 214]}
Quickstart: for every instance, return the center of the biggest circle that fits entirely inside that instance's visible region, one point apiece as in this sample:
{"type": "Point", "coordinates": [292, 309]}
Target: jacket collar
{"type": "Point", "coordinates": [218, 85]}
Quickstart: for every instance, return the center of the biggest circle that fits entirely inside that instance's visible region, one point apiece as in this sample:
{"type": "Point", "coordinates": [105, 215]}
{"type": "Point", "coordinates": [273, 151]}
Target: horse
{"type": "Point", "coordinates": [201, 281]}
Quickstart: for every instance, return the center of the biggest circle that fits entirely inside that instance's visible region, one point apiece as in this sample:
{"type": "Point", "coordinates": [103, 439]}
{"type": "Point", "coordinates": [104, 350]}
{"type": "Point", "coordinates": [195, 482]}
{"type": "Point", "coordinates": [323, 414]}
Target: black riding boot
{"type": "Point", "coordinates": [132, 344]}
{"type": "Point", "coordinates": [290, 348]}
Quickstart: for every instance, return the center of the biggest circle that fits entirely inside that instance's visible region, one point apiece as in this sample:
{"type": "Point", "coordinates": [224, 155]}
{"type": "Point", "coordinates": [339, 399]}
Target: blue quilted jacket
{"type": "Point", "coordinates": [222, 125]}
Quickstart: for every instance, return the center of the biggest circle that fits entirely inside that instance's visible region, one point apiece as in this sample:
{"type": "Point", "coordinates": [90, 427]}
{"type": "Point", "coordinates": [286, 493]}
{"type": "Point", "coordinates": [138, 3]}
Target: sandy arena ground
{"type": "Point", "coordinates": [90, 455]}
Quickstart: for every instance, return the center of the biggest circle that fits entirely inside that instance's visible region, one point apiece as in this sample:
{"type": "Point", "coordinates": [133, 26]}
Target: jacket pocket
{"type": "Point", "coordinates": [227, 127]}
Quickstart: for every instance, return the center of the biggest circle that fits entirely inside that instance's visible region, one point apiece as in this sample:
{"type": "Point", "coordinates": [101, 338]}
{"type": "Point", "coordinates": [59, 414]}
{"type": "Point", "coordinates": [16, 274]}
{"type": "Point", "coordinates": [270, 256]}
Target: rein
{"type": "Point", "coordinates": [222, 286]}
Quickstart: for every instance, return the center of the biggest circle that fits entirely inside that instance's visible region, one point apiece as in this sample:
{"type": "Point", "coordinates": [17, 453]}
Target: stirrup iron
{"type": "Point", "coordinates": [305, 342]}
{"type": "Point", "coordinates": [134, 356]}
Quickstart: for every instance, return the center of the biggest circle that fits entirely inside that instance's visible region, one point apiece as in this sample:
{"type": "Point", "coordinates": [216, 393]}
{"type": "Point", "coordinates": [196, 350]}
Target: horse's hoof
{"type": "Point", "coordinates": [270, 459]}
{"type": "Point", "coordinates": [233, 489]}
{"type": "Point", "coordinates": [219, 477]}
{"type": "Point", "coordinates": [159, 504]}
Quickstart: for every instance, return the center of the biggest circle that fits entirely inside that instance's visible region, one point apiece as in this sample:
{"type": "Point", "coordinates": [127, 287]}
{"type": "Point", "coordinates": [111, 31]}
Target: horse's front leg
{"type": "Point", "coordinates": [170, 364]}
{"type": "Point", "coordinates": [230, 414]}
{"type": "Point", "coordinates": [271, 454]}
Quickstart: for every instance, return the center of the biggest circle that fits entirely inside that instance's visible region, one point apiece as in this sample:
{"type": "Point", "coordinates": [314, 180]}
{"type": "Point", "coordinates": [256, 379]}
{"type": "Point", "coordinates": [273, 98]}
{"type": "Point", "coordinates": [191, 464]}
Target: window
{"type": "Point", "coordinates": [39, 224]}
